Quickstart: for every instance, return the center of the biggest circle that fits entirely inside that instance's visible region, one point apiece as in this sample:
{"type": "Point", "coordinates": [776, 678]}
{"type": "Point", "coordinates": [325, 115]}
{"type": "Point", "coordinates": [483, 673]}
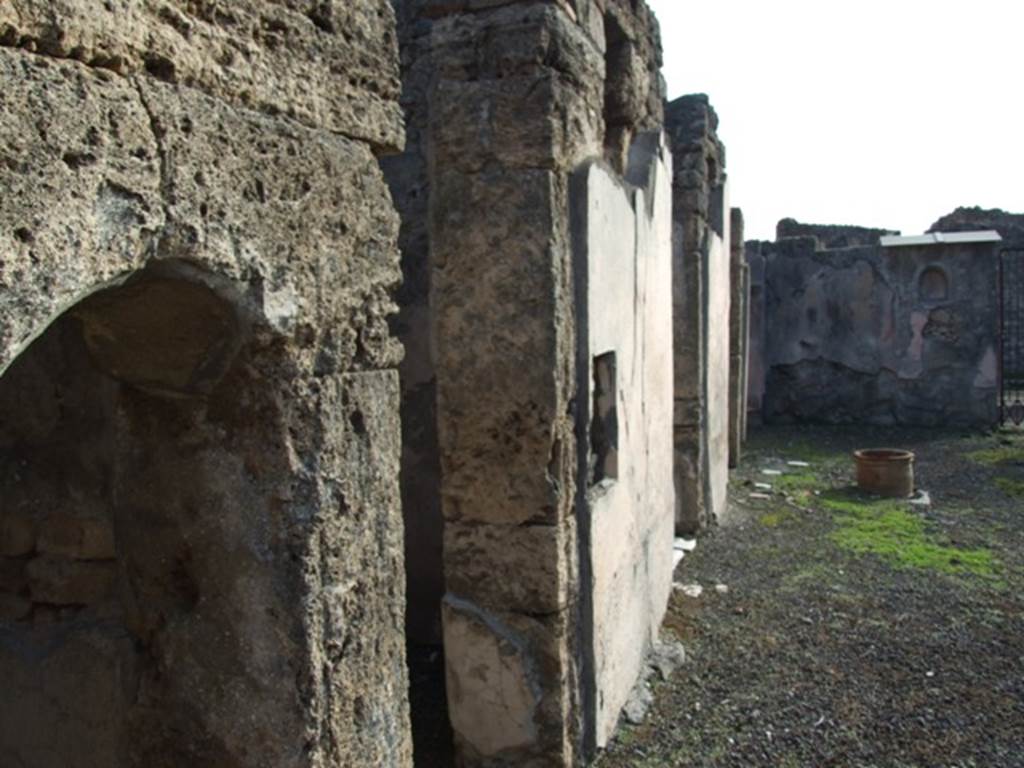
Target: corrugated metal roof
{"type": "Point", "coordinates": [942, 238]}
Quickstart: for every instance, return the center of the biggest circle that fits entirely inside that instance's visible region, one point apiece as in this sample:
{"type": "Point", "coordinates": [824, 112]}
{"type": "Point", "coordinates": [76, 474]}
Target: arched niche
{"type": "Point", "coordinates": [933, 284]}
{"type": "Point", "coordinates": [144, 600]}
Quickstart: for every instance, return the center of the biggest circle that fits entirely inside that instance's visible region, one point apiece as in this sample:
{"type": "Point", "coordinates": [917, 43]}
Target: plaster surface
{"type": "Point", "coordinates": [626, 275]}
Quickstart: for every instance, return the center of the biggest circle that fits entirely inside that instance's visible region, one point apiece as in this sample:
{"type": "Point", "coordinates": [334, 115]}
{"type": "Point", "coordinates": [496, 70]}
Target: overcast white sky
{"type": "Point", "coordinates": [886, 114]}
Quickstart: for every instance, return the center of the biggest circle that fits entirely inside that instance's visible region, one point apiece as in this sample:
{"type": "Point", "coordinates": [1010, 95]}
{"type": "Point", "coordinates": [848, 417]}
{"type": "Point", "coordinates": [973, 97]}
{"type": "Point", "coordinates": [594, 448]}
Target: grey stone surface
{"type": "Point", "coordinates": [330, 65]}
{"type": "Point", "coordinates": [902, 335]}
{"type": "Point", "coordinates": [756, 336]}
{"type": "Point", "coordinates": [739, 333]}
{"type": "Point", "coordinates": [701, 299]}
{"type": "Point", "coordinates": [195, 352]}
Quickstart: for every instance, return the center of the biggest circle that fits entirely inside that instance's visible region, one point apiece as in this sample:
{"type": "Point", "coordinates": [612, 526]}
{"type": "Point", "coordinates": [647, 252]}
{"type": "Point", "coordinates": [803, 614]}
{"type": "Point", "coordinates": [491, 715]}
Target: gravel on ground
{"type": "Point", "coordinates": [836, 629]}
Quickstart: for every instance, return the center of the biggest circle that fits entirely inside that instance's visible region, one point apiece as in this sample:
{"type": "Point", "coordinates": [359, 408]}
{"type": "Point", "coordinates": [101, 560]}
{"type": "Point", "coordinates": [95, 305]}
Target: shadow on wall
{"type": "Point", "coordinates": [143, 616]}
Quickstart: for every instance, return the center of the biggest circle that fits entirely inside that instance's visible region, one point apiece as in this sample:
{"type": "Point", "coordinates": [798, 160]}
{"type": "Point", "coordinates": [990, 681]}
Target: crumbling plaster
{"type": "Point", "coordinates": [853, 334]}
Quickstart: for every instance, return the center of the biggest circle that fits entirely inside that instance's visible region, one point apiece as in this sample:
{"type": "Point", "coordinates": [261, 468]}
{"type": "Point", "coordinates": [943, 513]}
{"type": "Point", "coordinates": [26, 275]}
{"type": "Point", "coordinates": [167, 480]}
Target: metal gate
{"type": "Point", "coordinates": [1011, 336]}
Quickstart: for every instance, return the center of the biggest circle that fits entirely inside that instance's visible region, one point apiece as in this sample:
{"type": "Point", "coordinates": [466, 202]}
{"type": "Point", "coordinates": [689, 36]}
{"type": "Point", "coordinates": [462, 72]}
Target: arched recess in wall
{"type": "Point", "coordinates": [933, 284]}
{"type": "Point", "coordinates": [142, 618]}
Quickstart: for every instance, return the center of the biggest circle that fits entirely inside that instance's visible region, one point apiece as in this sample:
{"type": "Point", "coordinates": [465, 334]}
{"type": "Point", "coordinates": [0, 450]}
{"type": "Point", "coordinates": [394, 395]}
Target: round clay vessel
{"type": "Point", "coordinates": [885, 471]}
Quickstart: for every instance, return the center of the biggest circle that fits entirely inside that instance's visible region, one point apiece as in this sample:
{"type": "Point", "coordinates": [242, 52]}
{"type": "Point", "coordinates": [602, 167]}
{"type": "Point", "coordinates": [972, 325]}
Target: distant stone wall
{"type": "Point", "coordinates": [756, 336]}
{"type": "Point", "coordinates": [831, 235]}
{"type": "Point", "coordinates": [900, 335]}
{"type": "Point", "coordinates": [701, 300]}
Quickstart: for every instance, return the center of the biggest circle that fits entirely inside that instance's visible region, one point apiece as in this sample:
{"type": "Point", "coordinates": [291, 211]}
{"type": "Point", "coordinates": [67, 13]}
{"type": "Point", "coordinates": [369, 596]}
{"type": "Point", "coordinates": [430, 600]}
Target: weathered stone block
{"type": "Point", "coordinates": [58, 581]}
{"type": "Point", "coordinates": [493, 685]}
{"type": "Point", "coordinates": [14, 607]}
{"type": "Point", "coordinates": [496, 292]}
{"type": "Point", "coordinates": [13, 578]}
{"type": "Point", "coordinates": [331, 65]}
{"type": "Point", "coordinates": [17, 534]}
{"type": "Point", "coordinates": [82, 538]}
{"type": "Point", "coordinates": [508, 568]}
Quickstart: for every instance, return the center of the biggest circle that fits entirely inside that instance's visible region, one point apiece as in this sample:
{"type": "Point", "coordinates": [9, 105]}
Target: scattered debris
{"type": "Point", "coordinates": [921, 498]}
{"type": "Point", "coordinates": [760, 496]}
{"type": "Point", "coordinates": [772, 472]}
{"type": "Point", "coordinates": [722, 589]}
{"type": "Point", "coordinates": [666, 657]}
{"type": "Point", "coordinates": [798, 463]}
{"type": "Point", "coordinates": [679, 548]}
{"type": "Point", "coordinates": [763, 486]}
{"type": "Point", "coordinates": [690, 590]}
{"type": "Point", "coordinates": [638, 703]}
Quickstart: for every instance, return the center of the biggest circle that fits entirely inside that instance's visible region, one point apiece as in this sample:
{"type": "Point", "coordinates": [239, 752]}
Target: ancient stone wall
{"type": "Point", "coordinates": [701, 298]}
{"type": "Point", "coordinates": [202, 545]}
{"type": "Point", "coordinates": [898, 335]}
{"type": "Point", "coordinates": [756, 335]}
{"type": "Point", "coordinates": [1009, 225]}
{"type": "Point", "coordinates": [739, 334]}
{"type": "Point", "coordinates": [831, 235]}
{"type": "Point", "coordinates": [506, 101]}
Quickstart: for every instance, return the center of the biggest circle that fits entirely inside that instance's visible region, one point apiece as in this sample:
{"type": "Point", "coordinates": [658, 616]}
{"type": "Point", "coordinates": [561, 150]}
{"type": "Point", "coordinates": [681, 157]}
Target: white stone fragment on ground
{"type": "Point", "coordinates": [690, 590]}
{"type": "Point", "coordinates": [760, 496]}
{"type": "Point", "coordinates": [685, 545]}
{"type": "Point", "coordinates": [798, 463]}
{"type": "Point", "coordinates": [763, 486]}
{"type": "Point", "coordinates": [921, 499]}
{"type": "Point", "coordinates": [722, 589]}
{"type": "Point", "coordinates": [677, 558]}
{"type": "Point", "coordinates": [771, 472]}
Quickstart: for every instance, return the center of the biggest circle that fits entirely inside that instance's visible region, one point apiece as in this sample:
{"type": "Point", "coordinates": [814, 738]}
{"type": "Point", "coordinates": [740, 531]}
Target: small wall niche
{"type": "Point", "coordinates": [604, 428]}
{"type": "Point", "coordinates": [933, 285]}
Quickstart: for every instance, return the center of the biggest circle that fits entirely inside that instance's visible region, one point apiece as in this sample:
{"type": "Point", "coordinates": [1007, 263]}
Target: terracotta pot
{"type": "Point", "coordinates": [885, 471]}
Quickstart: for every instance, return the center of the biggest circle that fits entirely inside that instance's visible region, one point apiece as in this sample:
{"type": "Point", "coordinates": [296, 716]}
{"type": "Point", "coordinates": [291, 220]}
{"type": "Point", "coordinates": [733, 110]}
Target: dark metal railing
{"type": "Point", "coordinates": [1011, 336]}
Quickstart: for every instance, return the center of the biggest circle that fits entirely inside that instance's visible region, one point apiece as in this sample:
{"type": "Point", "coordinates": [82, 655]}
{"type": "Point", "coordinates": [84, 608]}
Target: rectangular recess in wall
{"type": "Point", "coordinates": [604, 427]}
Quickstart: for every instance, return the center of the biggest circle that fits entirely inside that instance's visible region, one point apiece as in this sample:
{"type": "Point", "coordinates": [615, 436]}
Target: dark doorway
{"type": "Point", "coordinates": [142, 619]}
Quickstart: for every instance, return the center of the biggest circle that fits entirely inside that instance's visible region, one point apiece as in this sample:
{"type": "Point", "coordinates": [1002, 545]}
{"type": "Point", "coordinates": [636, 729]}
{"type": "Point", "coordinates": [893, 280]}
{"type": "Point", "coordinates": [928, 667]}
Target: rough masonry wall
{"type": "Point", "coordinates": [739, 333]}
{"type": "Point", "coordinates": [756, 335]}
{"type": "Point", "coordinates": [1009, 225]}
{"type": "Point", "coordinates": [701, 298]}
{"type": "Point", "coordinates": [506, 101]}
{"type": "Point", "coordinates": [153, 188]}
{"type": "Point", "coordinates": [626, 382]}
{"type": "Point", "coordinates": [902, 335]}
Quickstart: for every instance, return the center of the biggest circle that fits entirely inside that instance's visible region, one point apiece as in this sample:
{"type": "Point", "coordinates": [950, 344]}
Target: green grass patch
{"type": "Point", "coordinates": [891, 531]}
{"type": "Point", "coordinates": [1011, 486]}
{"type": "Point", "coordinates": [794, 482]}
{"type": "Point", "coordinates": [1009, 451]}
{"type": "Point", "coordinates": [776, 518]}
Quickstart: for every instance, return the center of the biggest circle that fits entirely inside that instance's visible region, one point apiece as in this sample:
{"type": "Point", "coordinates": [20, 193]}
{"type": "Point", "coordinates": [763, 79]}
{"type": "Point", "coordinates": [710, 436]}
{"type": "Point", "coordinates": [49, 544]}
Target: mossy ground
{"type": "Point", "coordinates": [856, 631]}
{"type": "Point", "coordinates": [893, 531]}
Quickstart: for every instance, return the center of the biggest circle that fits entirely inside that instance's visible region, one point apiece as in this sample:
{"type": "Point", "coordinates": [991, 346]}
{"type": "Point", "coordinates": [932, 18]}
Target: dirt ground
{"type": "Point", "coordinates": [836, 629]}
